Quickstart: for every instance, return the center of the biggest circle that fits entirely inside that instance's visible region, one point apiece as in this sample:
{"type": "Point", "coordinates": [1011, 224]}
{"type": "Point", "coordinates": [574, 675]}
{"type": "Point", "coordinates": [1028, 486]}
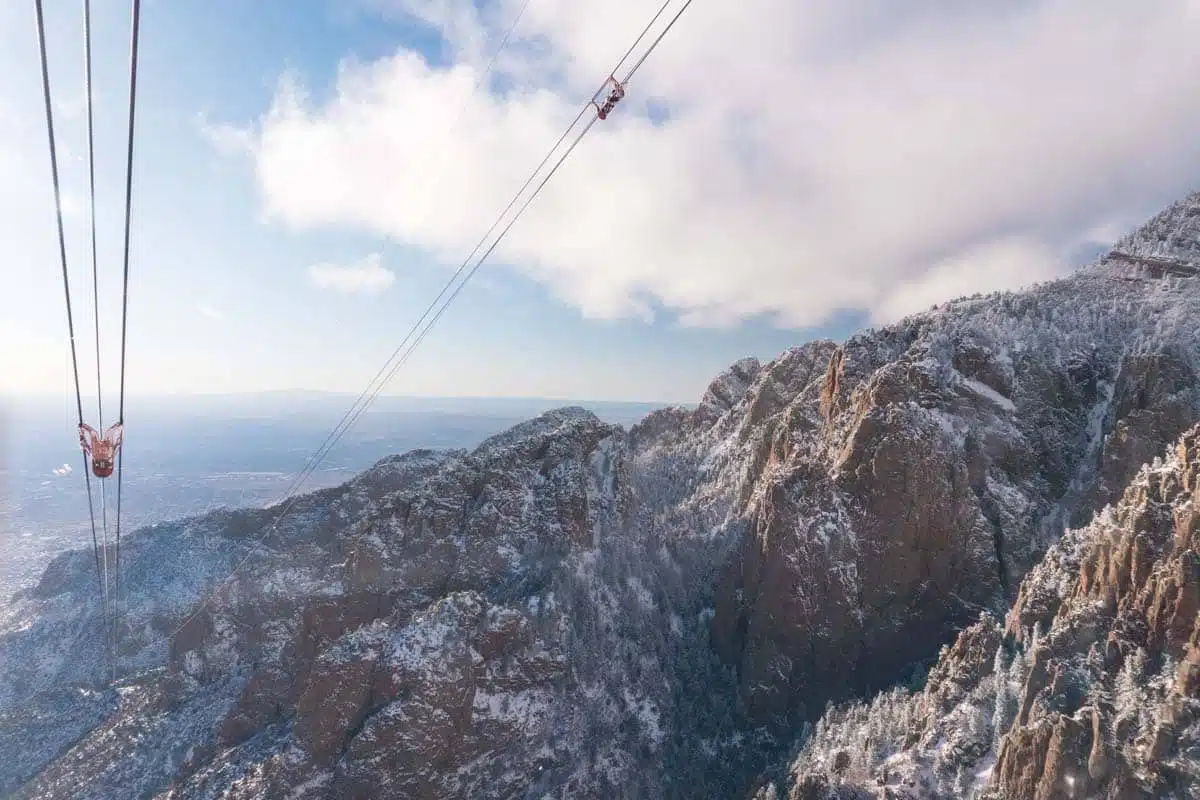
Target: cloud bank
{"type": "Point", "coordinates": [803, 158]}
{"type": "Point", "coordinates": [365, 277]}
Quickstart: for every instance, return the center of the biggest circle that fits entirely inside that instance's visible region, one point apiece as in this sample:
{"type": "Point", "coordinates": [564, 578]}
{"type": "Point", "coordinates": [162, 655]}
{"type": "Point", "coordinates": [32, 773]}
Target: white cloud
{"type": "Point", "coordinates": [228, 140]}
{"type": "Point", "coordinates": [816, 157]}
{"type": "Point", "coordinates": [997, 265]}
{"type": "Point", "coordinates": [364, 277]}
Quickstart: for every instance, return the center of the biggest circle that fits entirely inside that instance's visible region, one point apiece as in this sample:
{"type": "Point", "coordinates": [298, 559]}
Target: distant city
{"type": "Point", "coordinates": [188, 456]}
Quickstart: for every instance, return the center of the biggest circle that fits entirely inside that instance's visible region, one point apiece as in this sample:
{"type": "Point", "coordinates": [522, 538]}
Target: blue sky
{"type": "Point", "coordinates": [199, 242]}
{"type": "Point", "coordinates": [660, 254]}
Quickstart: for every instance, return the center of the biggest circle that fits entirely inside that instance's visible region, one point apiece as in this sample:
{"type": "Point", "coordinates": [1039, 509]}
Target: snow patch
{"type": "Point", "coordinates": [984, 390]}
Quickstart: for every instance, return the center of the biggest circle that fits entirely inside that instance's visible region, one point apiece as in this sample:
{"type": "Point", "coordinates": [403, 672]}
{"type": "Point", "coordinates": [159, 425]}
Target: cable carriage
{"type": "Point", "coordinates": [614, 96]}
{"type": "Point", "coordinates": [101, 449]}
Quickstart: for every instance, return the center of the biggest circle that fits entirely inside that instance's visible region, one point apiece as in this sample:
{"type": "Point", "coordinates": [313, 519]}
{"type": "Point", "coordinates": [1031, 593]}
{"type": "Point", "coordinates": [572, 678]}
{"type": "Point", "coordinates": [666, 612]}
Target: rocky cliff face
{"type": "Point", "coordinates": [929, 467]}
{"type": "Point", "coordinates": [1090, 689]}
{"type": "Point", "coordinates": [575, 610]}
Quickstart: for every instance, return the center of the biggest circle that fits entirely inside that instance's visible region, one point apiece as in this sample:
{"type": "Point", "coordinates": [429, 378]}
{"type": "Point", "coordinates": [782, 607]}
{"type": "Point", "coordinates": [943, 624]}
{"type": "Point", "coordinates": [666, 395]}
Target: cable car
{"type": "Point", "coordinates": [614, 96]}
{"type": "Point", "coordinates": [101, 449]}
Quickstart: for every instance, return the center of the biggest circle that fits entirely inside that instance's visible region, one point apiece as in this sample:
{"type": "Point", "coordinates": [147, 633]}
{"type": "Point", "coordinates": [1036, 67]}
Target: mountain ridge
{"type": "Point", "coordinates": [576, 609]}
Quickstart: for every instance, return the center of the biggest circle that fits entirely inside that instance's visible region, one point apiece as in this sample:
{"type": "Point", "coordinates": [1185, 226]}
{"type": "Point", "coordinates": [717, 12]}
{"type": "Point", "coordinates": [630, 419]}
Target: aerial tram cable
{"type": "Point", "coordinates": [133, 66]}
{"type": "Point", "coordinates": [618, 93]}
{"type": "Point", "coordinates": [87, 84]}
{"type": "Point", "coordinates": [62, 250]}
{"type": "Point", "coordinates": [357, 408]}
{"type": "Point", "coordinates": [353, 414]}
{"type": "Point", "coordinates": [100, 462]}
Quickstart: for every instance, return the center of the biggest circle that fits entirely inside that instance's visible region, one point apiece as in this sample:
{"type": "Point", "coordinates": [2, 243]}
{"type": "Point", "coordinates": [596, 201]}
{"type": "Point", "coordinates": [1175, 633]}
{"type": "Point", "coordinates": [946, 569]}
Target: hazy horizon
{"type": "Point", "coordinates": [244, 449]}
{"type": "Point", "coordinates": [89, 400]}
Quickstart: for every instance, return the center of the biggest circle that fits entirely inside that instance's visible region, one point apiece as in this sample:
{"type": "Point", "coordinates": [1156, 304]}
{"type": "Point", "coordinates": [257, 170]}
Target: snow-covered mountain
{"type": "Point", "coordinates": [577, 610]}
{"type": "Point", "coordinates": [1090, 688]}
